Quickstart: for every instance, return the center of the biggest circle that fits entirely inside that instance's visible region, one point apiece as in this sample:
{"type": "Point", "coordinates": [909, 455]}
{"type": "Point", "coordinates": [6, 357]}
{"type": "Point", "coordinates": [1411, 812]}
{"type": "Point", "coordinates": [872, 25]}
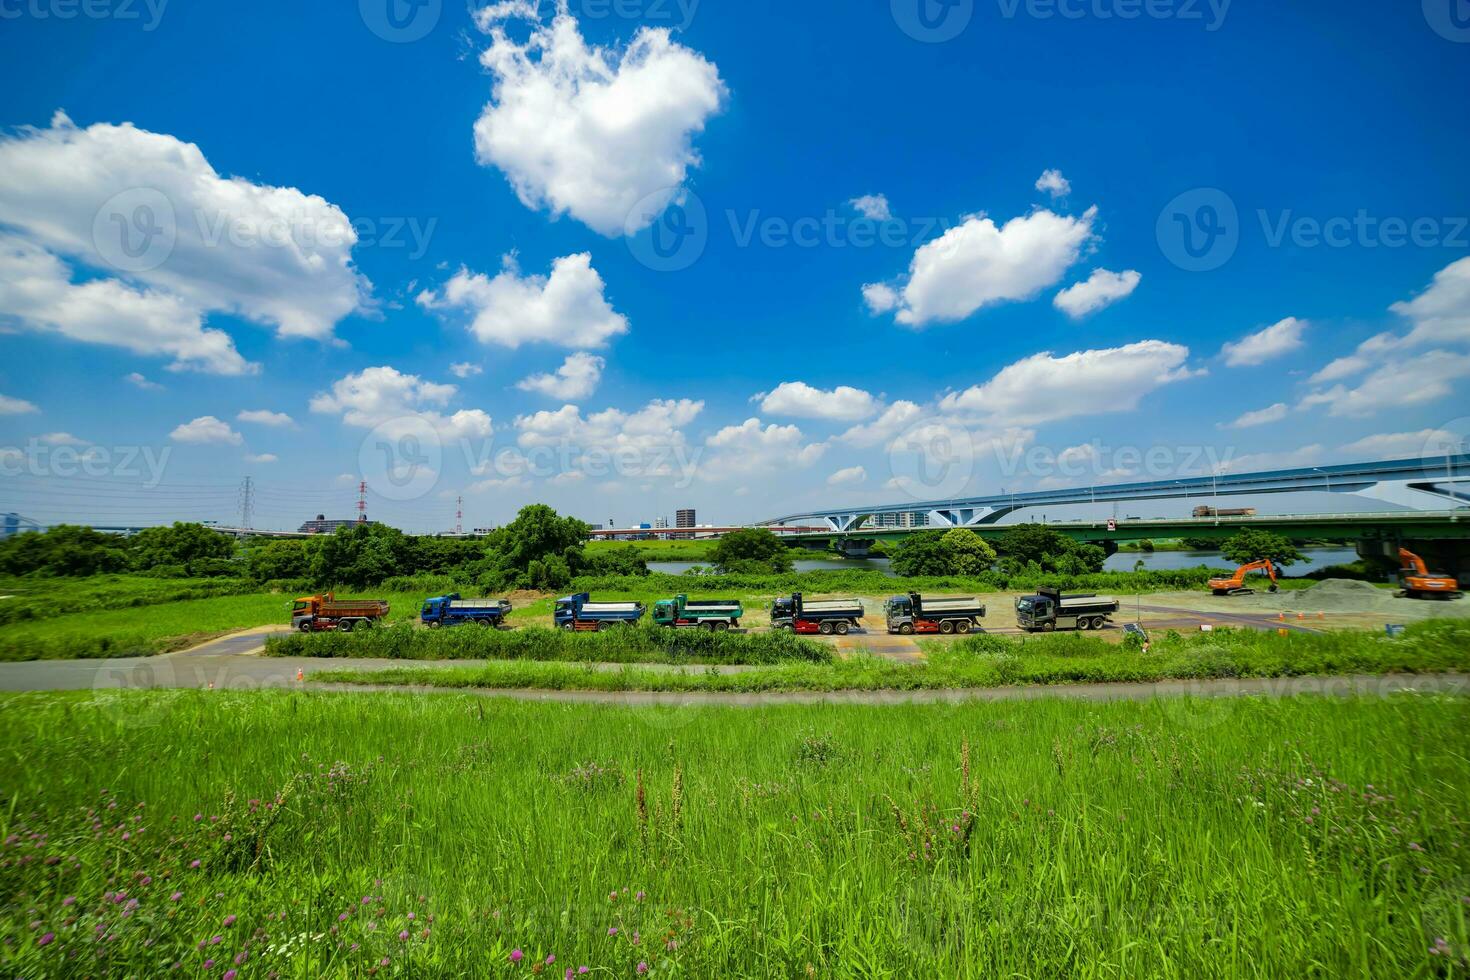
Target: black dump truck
{"type": "Point", "coordinates": [916, 613]}
{"type": "Point", "coordinates": [1049, 609]}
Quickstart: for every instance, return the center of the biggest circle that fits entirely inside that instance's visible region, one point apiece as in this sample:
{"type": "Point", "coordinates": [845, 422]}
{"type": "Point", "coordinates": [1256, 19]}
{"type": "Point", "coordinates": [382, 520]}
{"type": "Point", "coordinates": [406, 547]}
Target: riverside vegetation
{"type": "Point", "coordinates": [302, 835]}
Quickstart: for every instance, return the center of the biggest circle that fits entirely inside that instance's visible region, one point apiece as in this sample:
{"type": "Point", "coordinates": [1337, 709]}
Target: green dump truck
{"type": "Point", "coordinates": [715, 615]}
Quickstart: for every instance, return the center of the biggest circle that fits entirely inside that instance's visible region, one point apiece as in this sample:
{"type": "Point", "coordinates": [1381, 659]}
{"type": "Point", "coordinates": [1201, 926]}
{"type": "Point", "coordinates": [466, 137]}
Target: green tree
{"type": "Point", "coordinates": [1200, 544]}
{"type": "Point", "coordinates": [1034, 546]}
{"type": "Point", "coordinates": [1250, 545]}
{"type": "Point", "coordinates": [64, 550]}
{"type": "Point", "coordinates": [285, 559]}
{"type": "Point", "coordinates": [622, 560]}
{"type": "Point", "coordinates": [358, 556]}
{"type": "Point", "coordinates": [540, 549]}
{"type": "Point", "coordinates": [191, 547]}
{"type": "Point", "coordinates": [958, 551]}
{"type": "Point", "coordinates": [751, 550]}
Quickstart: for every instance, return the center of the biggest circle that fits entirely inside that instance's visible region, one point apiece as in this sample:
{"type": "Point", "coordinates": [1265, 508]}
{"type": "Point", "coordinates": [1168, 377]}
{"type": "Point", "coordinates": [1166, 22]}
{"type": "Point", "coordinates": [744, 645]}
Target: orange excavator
{"type": "Point", "coordinates": [1418, 582]}
{"type": "Point", "coordinates": [1235, 584]}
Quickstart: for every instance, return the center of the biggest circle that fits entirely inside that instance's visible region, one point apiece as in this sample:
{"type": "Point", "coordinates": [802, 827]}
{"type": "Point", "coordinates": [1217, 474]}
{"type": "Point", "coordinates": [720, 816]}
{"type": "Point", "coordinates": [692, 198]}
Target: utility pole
{"type": "Point", "coordinates": [459, 515]}
{"type": "Point", "coordinates": [362, 502]}
{"type": "Point", "coordinates": [247, 505]}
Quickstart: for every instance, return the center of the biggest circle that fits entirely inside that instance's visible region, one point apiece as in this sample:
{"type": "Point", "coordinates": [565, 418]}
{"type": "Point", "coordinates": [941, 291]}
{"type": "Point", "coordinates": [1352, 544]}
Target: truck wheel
{"type": "Point", "coordinates": [825, 628]}
{"type": "Point", "coordinates": [906, 629]}
{"type": "Point", "coordinates": [722, 627]}
{"type": "Point", "coordinates": [842, 628]}
{"type": "Point", "coordinates": [963, 626]}
{"type": "Point", "coordinates": [345, 626]}
{"type": "Point", "coordinates": [305, 626]}
{"type": "Point", "coordinates": [604, 626]}
{"type": "Point", "coordinates": [1048, 627]}
{"type": "Point", "coordinates": [946, 627]}
{"type": "Point", "coordinates": [569, 627]}
{"type": "Point", "coordinates": [484, 623]}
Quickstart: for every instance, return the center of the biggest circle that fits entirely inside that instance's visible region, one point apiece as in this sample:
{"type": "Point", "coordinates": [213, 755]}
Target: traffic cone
{"type": "Point", "coordinates": [1301, 615]}
{"type": "Point", "coordinates": [299, 675]}
{"type": "Point", "coordinates": [1281, 617]}
{"type": "Point", "coordinates": [211, 685]}
{"type": "Point", "coordinates": [1321, 615]}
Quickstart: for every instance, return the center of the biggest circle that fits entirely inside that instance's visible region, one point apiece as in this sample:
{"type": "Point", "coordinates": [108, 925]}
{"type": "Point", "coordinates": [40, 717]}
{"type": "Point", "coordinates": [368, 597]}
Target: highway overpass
{"type": "Point", "coordinates": [1438, 483]}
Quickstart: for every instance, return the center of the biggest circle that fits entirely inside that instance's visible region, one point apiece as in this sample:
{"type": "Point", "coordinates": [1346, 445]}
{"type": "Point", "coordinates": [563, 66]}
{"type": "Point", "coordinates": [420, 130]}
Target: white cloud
{"type": "Point", "coordinates": [466, 370]}
{"type": "Point", "coordinates": [1399, 445]}
{"type": "Point", "coordinates": [872, 206]}
{"type": "Point", "coordinates": [16, 406]}
{"type": "Point", "coordinates": [62, 439]}
{"type": "Point", "coordinates": [139, 381]}
{"type": "Point", "coordinates": [654, 427]}
{"type": "Point", "coordinates": [880, 297]}
{"type": "Point", "coordinates": [1440, 314]}
{"type": "Point", "coordinates": [262, 416]}
{"type": "Point", "coordinates": [567, 308]}
{"type": "Point", "coordinates": [978, 264]}
{"type": "Point", "coordinates": [1100, 289]}
{"type": "Point", "coordinates": [37, 289]}
{"type": "Point", "coordinates": [591, 131]}
{"type": "Point", "coordinates": [1282, 337]}
{"type": "Point", "coordinates": [749, 447]}
{"type": "Point", "coordinates": [1053, 183]}
{"type": "Point", "coordinates": [206, 429]}
{"type": "Point", "coordinates": [801, 400]}
{"type": "Point", "coordinates": [576, 379]}
{"type": "Point", "coordinates": [383, 395]}
{"type": "Point", "coordinates": [1263, 416]}
{"type": "Point", "coordinates": [262, 458]}
{"type": "Point", "coordinates": [271, 255]}
{"type": "Point", "coordinates": [895, 418]}
{"type": "Point", "coordinates": [1043, 388]}
{"type": "Point", "coordinates": [847, 477]}
{"type": "Point", "coordinates": [1396, 383]}
{"type": "Point", "coordinates": [1369, 353]}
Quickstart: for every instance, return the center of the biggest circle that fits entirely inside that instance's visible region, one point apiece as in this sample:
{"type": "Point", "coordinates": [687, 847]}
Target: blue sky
{"type": "Point", "coordinates": [775, 122]}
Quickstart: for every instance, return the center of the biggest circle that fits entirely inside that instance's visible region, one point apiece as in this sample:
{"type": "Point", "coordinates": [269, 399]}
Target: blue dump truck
{"type": "Point", "coordinates": [451, 610]}
{"type": "Point", "coordinates": [579, 612]}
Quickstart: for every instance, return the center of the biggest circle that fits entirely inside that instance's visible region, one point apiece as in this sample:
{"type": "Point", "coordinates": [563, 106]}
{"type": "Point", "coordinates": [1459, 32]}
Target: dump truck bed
{"type": "Point", "coordinates": [609, 607]}
{"type": "Point", "coordinates": [832, 606]}
{"type": "Point", "coordinates": [940, 603]}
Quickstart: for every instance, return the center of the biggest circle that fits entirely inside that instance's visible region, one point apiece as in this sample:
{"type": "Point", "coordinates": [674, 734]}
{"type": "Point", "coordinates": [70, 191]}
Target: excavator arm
{"type": "Point", "coordinates": [1235, 584]}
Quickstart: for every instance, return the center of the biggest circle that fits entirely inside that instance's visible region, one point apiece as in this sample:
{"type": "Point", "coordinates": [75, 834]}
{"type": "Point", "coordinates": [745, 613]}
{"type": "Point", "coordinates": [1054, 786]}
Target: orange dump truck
{"type": "Point", "coordinates": [313, 614]}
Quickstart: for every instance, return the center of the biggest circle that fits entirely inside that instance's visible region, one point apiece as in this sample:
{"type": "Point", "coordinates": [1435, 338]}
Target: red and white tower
{"type": "Point", "coordinates": [362, 502]}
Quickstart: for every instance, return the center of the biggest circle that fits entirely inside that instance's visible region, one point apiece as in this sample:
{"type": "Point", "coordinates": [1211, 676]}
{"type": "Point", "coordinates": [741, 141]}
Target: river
{"type": "Point", "coordinates": [1123, 561]}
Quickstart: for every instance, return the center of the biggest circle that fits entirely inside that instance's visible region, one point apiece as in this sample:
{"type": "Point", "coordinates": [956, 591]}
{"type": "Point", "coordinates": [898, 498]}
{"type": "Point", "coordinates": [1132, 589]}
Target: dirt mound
{"type": "Point", "coordinates": [1342, 595]}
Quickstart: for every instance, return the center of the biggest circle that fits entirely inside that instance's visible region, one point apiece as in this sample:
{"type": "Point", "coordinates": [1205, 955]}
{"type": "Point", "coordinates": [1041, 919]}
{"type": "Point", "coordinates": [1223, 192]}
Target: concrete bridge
{"type": "Point", "coordinates": [1427, 483]}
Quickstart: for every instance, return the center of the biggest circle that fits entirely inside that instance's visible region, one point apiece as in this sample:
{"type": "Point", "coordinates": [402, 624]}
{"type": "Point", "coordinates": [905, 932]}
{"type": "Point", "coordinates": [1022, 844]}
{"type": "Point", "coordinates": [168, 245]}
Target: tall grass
{"type": "Point", "coordinates": [637, 644]}
{"type": "Point", "coordinates": [311, 835]}
{"type": "Point", "coordinates": [42, 597]}
{"type": "Point", "coordinates": [995, 661]}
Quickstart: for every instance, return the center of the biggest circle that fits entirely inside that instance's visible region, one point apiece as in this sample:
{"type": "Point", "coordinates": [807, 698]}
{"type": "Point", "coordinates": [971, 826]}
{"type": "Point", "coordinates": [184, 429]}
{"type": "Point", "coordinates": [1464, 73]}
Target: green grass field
{"type": "Point", "coordinates": [311, 835]}
{"type": "Point", "coordinates": [977, 662]}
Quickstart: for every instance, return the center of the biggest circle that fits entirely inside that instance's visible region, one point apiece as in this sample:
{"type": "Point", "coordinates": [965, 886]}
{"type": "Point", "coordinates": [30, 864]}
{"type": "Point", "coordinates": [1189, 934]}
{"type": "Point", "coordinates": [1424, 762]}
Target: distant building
{"type": "Point", "coordinates": [901, 519]}
{"type": "Point", "coordinates": [661, 523]}
{"type": "Point", "coordinates": [685, 518]}
{"type": "Point", "coordinates": [323, 526]}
